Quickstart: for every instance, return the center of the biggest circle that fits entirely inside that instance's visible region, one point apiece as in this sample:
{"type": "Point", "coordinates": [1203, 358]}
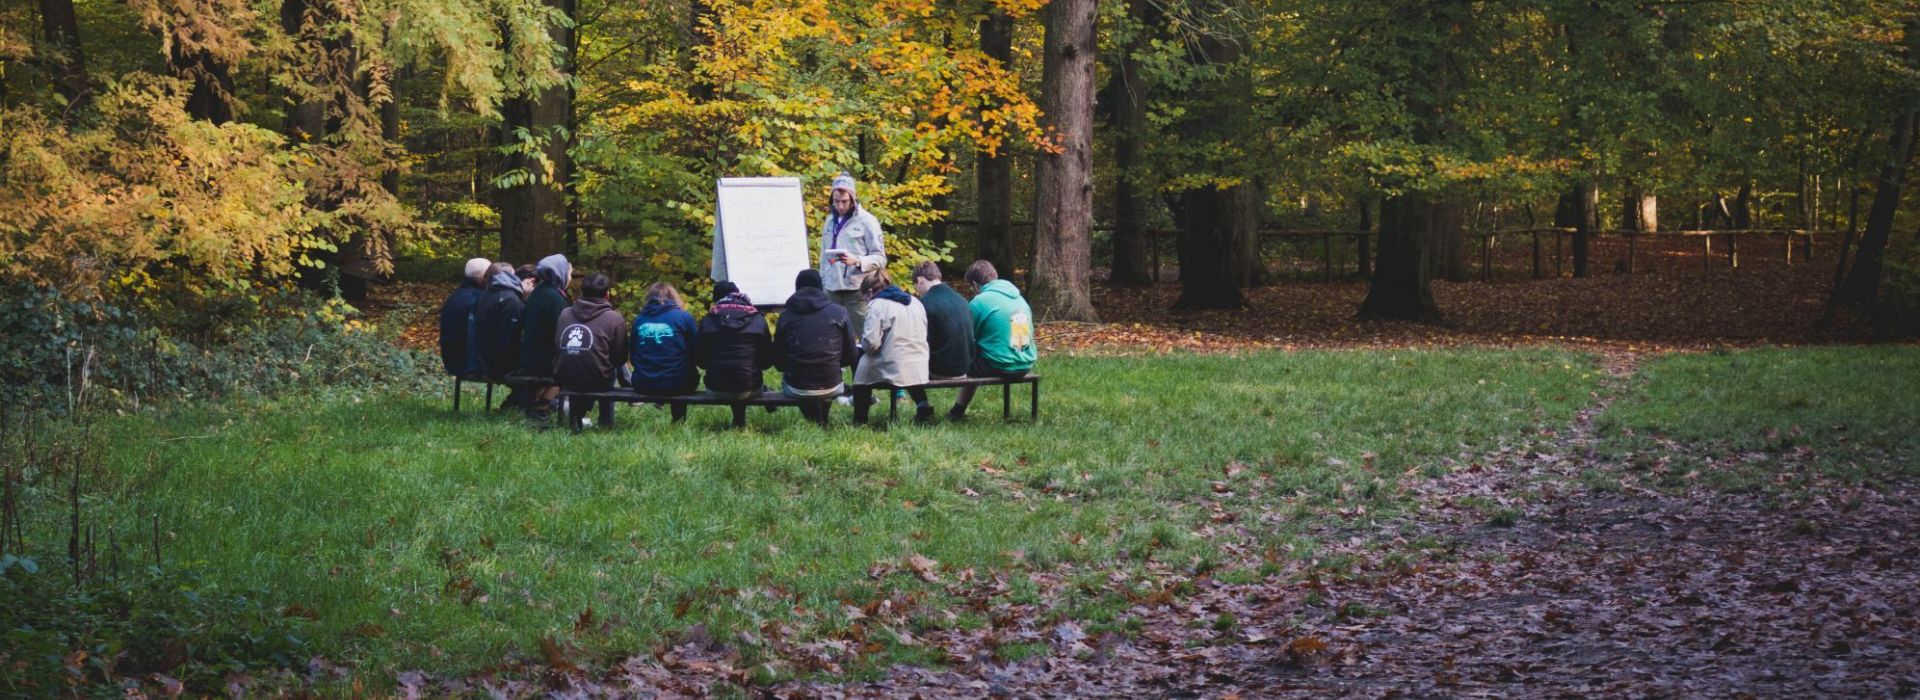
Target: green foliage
{"type": "Point", "coordinates": [59, 353]}
{"type": "Point", "coordinates": [905, 253]}
{"type": "Point", "coordinates": [60, 638]}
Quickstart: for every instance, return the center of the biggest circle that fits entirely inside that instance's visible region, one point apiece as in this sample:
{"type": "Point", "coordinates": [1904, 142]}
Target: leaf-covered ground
{"type": "Point", "coordinates": [1673, 299]}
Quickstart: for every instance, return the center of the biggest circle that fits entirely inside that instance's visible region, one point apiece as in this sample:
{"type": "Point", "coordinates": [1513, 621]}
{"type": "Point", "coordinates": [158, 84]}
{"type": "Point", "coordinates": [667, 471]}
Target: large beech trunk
{"type": "Point", "coordinates": [1062, 261]}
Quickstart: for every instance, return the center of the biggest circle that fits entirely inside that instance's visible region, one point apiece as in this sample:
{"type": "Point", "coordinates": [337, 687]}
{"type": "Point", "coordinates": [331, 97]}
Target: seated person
{"type": "Point", "coordinates": [496, 329]}
{"type": "Point", "coordinates": [589, 347]}
{"type": "Point", "coordinates": [893, 346]}
{"type": "Point", "coordinates": [732, 344]}
{"type": "Point", "coordinates": [459, 354]}
{"type": "Point", "coordinates": [949, 324]}
{"type": "Point", "coordinates": [540, 320]}
{"type": "Point", "coordinates": [662, 343]}
{"type": "Point", "coordinates": [1002, 330]}
{"type": "Point", "coordinates": [815, 339]}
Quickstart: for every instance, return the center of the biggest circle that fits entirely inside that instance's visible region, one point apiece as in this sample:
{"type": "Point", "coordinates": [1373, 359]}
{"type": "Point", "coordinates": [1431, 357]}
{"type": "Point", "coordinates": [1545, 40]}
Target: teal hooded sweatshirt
{"type": "Point", "coordinates": [1003, 327]}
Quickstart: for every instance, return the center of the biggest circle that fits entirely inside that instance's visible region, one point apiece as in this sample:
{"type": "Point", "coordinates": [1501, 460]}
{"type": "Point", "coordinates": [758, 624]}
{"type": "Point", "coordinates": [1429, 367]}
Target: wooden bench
{"type": "Point", "coordinates": [679, 402]}
{"type": "Point", "coordinates": [775, 399]}
{"type": "Point", "coordinates": [1006, 392]}
{"type": "Point", "coordinates": [510, 381]}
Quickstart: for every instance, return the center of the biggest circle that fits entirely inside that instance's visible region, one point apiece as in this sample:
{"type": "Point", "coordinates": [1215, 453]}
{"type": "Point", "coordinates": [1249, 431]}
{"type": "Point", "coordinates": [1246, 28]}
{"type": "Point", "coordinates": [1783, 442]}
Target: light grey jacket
{"type": "Point", "coordinates": [861, 236]}
{"type": "Point", "coordinates": [895, 339]}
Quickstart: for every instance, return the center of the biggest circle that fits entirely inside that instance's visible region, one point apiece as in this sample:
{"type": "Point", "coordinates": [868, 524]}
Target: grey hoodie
{"type": "Point", "coordinates": [560, 268]}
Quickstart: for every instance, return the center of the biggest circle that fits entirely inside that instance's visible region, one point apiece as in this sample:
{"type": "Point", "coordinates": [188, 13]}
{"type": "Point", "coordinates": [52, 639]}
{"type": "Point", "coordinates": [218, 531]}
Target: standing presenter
{"type": "Point", "coordinates": [850, 249]}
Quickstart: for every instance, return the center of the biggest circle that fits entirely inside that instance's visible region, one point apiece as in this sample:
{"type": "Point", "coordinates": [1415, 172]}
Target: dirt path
{"type": "Point", "coordinates": [1581, 592]}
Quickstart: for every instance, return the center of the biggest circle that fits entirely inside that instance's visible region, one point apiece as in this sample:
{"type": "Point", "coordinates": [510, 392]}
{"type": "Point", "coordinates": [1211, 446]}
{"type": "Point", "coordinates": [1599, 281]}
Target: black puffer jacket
{"type": "Point", "coordinates": [815, 340]}
{"type": "Point", "coordinates": [733, 345]}
{"type": "Point", "coordinates": [496, 325]}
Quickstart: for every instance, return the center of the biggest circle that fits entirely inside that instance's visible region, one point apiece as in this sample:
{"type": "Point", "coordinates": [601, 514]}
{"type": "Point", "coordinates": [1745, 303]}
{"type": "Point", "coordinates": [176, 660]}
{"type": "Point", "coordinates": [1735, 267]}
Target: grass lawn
{"type": "Point", "coordinates": [399, 535]}
{"type": "Point", "coordinates": [1846, 410]}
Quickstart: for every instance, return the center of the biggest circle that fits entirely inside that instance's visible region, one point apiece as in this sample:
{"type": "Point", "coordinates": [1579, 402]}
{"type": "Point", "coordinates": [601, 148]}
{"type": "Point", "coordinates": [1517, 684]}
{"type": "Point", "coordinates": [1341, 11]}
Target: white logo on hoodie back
{"type": "Point", "coordinates": [578, 339]}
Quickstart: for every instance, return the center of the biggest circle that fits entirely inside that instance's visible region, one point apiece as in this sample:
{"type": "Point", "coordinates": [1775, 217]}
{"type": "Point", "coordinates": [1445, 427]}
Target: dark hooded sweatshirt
{"type": "Point", "coordinates": [541, 320]}
{"type": "Point", "coordinates": [496, 325]}
{"type": "Point", "coordinates": [663, 342]}
{"type": "Point", "coordinates": [733, 346]}
{"type": "Point", "coordinates": [459, 354]}
{"type": "Point", "coordinates": [949, 331]}
{"type": "Point", "coordinates": [590, 344]}
{"type": "Point", "coordinates": [815, 340]}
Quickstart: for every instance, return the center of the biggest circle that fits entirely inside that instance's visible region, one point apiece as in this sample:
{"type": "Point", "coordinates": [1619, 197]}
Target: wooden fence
{"type": "Point", "coordinates": [1363, 241]}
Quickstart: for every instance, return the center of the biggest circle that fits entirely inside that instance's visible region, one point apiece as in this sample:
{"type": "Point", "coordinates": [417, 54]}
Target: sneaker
{"type": "Point", "coordinates": [955, 417]}
{"type": "Point", "coordinates": [924, 416]}
{"type": "Point", "coordinates": [844, 400]}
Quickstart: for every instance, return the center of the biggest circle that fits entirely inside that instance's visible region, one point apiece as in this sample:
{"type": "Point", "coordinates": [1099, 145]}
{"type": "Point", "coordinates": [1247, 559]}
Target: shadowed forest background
{"type": "Point", "coordinates": [1387, 343]}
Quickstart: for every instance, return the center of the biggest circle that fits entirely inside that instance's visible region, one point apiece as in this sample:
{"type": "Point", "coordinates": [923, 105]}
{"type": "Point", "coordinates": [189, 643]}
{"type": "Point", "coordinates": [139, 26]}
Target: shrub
{"type": "Point", "coordinates": [60, 638]}
{"type": "Point", "coordinates": [63, 352]}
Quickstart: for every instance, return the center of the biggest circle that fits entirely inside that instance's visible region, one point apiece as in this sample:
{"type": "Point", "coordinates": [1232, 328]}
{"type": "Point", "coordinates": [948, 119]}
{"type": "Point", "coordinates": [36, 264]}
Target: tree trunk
{"type": "Point", "coordinates": [1639, 211]}
{"type": "Point", "coordinates": [306, 24]}
{"type": "Point", "coordinates": [1579, 210]}
{"type": "Point", "coordinates": [1208, 275]}
{"type": "Point", "coordinates": [1363, 246]}
{"type": "Point", "coordinates": [66, 64]}
{"type": "Point", "coordinates": [1402, 275]}
{"type": "Point", "coordinates": [212, 84]}
{"type": "Point", "coordinates": [570, 188]}
{"type": "Point", "coordinates": [1742, 214]}
{"type": "Point", "coordinates": [1219, 249]}
{"type": "Point", "coordinates": [1244, 202]}
{"type": "Point", "coordinates": [306, 118]}
{"type": "Point", "coordinates": [533, 211]}
{"type": "Point", "coordinates": [993, 172]}
{"type": "Point", "coordinates": [1130, 255]}
{"type": "Point", "coordinates": [1862, 286]}
{"type": "Point", "coordinates": [1449, 258]}
{"type": "Point", "coordinates": [1400, 288]}
{"type": "Point", "coordinates": [1059, 288]}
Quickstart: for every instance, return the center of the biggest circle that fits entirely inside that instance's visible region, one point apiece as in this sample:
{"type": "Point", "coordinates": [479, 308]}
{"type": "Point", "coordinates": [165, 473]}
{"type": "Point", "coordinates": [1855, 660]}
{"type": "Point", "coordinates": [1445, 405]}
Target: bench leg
{"type": "Point", "coordinates": [489, 408]}
{"type": "Point", "coordinates": [893, 404]}
{"type": "Point", "coordinates": [825, 409]}
{"type": "Point", "coordinates": [739, 415]}
{"type": "Point", "coordinates": [567, 414]}
{"type": "Point", "coordinates": [1006, 402]}
{"type": "Point", "coordinates": [456, 394]}
{"type": "Point", "coordinates": [606, 414]}
{"type": "Point", "coordinates": [679, 412]}
{"type": "Point", "coordinates": [1033, 413]}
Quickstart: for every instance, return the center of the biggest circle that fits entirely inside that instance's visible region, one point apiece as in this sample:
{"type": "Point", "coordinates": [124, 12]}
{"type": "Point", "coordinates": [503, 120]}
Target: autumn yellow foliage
{"type": "Point", "coordinates": [145, 199]}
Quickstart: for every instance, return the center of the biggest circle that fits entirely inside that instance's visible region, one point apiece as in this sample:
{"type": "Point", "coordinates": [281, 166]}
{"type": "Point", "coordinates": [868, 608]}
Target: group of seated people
{"type": "Point", "coordinates": [506, 323]}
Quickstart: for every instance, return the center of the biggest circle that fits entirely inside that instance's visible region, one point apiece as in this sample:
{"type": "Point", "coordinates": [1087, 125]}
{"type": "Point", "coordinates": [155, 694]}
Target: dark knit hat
{"type": "Point", "coordinates": [808, 278]}
{"type": "Point", "coordinates": [722, 288]}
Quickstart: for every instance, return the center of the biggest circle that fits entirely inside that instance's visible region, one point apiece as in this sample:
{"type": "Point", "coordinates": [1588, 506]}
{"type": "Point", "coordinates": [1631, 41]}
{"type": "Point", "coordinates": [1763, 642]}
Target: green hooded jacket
{"type": "Point", "coordinates": [1003, 326]}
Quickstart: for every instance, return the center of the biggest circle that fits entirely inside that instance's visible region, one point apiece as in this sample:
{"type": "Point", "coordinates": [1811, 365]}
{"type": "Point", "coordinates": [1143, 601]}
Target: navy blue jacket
{"type": "Point", "coordinates": [459, 354]}
{"type": "Point", "coordinates": [663, 342]}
